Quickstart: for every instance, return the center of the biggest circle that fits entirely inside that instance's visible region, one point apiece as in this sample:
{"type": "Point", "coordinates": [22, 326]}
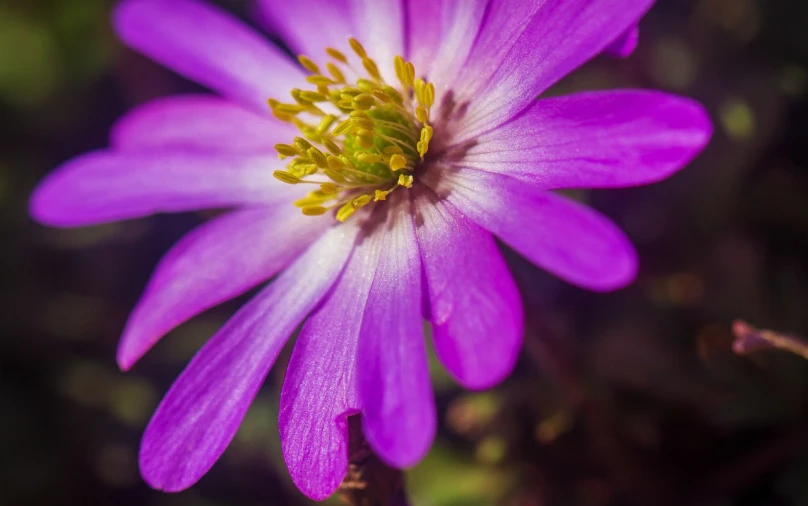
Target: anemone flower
{"type": "Point", "coordinates": [371, 175]}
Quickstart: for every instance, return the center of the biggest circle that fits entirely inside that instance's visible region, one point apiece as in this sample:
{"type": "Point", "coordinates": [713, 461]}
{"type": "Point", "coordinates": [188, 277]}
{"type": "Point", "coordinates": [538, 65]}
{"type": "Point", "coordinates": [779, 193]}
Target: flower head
{"type": "Point", "coordinates": [371, 175]}
{"type": "Point", "coordinates": [374, 136]}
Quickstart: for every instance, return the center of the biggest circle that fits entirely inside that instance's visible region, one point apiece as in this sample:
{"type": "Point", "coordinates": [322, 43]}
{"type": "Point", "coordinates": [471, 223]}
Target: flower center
{"type": "Point", "coordinates": [360, 141]}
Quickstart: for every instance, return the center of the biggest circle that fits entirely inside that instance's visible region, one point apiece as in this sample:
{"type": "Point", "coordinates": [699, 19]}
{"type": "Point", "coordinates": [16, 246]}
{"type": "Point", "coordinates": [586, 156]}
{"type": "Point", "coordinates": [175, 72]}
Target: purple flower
{"type": "Point", "coordinates": [402, 183]}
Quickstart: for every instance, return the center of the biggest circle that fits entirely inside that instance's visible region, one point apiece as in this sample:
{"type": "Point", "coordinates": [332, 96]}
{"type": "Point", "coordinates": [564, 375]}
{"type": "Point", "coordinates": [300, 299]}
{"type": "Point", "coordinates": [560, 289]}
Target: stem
{"type": "Point", "coordinates": [369, 482]}
{"type": "Point", "coordinates": [749, 339]}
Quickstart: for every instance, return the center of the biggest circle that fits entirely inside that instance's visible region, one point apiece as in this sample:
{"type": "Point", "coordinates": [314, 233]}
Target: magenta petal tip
{"type": "Point", "coordinates": [625, 45]}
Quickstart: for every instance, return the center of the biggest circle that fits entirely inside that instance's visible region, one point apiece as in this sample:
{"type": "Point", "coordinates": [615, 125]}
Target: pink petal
{"type": "Point", "coordinates": [209, 46]}
{"type": "Point", "coordinates": [214, 263]}
{"type": "Point", "coordinates": [106, 186]}
{"type": "Point", "coordinates": [199, 416]}
{"type": "Point", "coordinates": [440, 35]}
{"type": "Point", "coordinates": [200, 122]}
{"type": "Point", "coordinates": [625, 44]}
{"type": "Point", "coordinates": [568, 239]}
{"type": "Point", "coordinates": [310, 26]}
{"type": "Point", "coordinates": [598, 139]}
{"type": "Point", "coordinates": [475, 308]}
{"type": "Point", "coordinates": [379, 26]}
{"type": "Point", "coordinates": [319, 391]}
{"type": "Point", "coordinates": [394, 388]}
{"type": "Point", "coordinates": [502, 25]}
{"type": "Point", "coordinates": [562, 35]}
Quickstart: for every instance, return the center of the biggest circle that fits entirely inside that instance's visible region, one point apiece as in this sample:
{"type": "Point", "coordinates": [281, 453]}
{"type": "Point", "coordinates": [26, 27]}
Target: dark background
{"type": "Point", "coordinates": [633, 397]}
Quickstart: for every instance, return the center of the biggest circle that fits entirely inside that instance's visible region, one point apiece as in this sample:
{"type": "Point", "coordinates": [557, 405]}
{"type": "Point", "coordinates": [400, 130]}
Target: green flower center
{"type": "Point", "coordinates": [359, 142]}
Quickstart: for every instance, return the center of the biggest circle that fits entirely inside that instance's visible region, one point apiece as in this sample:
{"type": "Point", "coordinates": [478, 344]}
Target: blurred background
{"type": "Point", "coordinates": [628, 398]}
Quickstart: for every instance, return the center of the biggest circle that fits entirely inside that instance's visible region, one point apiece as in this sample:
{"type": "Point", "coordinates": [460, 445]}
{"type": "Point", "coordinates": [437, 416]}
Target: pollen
{"type": "Point", "coordinates": [361, 138]}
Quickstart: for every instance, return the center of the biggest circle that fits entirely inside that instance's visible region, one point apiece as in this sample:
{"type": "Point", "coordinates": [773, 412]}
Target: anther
{"type": "Point", "coordinates": [372, 68]}
{"type": "Point", "coordinates": [286, 150]}
{"type": "Point", "coordinates": [302, 144]}
{"type": "Point", "coordinates": [365, 85]}
{"type": "Point", "coordinates": [337, 55]}
{"type": "Point", "coordinates": [335, 72]}
{"type": "Point", "coordinates": [311, 96]}
{"type": "Point", "coordinates": [329, 188]}
{"type": "Point", "coordinates": [421, 114]}
{"type": "Point", "coordinates": [429, 95]}
{"type": "Point", "coordinates": [410, 75]}
{"type": "Point", "coordinates": [318, 80]}
{"type": "Point", "coordinates": [398, 64]}
{"type": "Point", "coordinates": [317, 157]}
{"type": "Point", "coordinates": [332, 147]}
{"type": "Point", "coordinates": [405, 181]}
{"type": "Point", "coordinates": [357, 48]}
{"type": "Point", "coordinates": [369, 157]}
{"type": "Point", "coordinates": [289, 109]}
{"type": "Point", "coordinates": [381, 95]}
{"type": "Point", "coordinates": [364, 138]}
{"type": "Point", "coordinates": [308, 64]}
{"type": "Point", "coordinates": [397, 162]}
{"type": "Point", "coordinates": [314, 210]}
{"type": "Point", "coordinates": [393, 94]}
{"type": "Point", "coordinates": [326, 123]}
{"type": "Point", "coordinates": [360, 201]}
{"type": "Point", "coordinates": [286, 177]}
{"type": "Point", "coordinates": [365, 123]}
{"type": "Point", "coordinates": [335, 163]}
{"type": "Point", "coordinates": [342, 127]}
{"type": "Point", "coordinates": [419, 86]}
{"type": "Point", "coordinates": [345, 212]}
{"type": "Point", "coordinates": [364, 101]}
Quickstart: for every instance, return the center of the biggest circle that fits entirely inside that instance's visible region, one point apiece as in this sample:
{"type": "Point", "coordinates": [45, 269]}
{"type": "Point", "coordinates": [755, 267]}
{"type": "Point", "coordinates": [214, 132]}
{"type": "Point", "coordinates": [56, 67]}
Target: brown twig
{"type": "Point", "coordinates": [749, 339]}
{"type": "Point", "coordinates": [369, 481]}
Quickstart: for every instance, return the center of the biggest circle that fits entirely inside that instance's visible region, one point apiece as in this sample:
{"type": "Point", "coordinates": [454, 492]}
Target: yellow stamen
{"type": "Point", "coordinates": [325, 124]}
{"type": "Point", "coordinates": [314, 210]}
{"type": "Point", "coordinates": [397, 162]}
{"type": "Point", "coordinates": [421, 114]}
{"type": "Point", "coordinates": [329, 188]}
{"type": "Point", "coordinates": [369, 157]}
{"type": "Point", "coordinates": [365, 142]}
{"type": "Point", "coordinates": [286, 150]}
{"type": "Point", "coordinates": [308, 64]}
{"type": "Point", "coordinates": [335, 72]}
{"type": "Point", "coordinates": [332, 147]}
{"type": "Point", "coordinates": [357, 48]}
{"type": "Point", "coordinates": [319, 80]}
{"type": "Point", "coordinates": [429, 95]}
{"type": "Point", "coordinates": [361, 201]}
{"type": "Point", "coordinates": [364, 138]}
{"type": "Point", "coordinates": [315, 198]}
{"type": "Point", "coordinates": [363, 101]}
{"type": "Point", "coordinates": [286, 177]}
{"type": "Point", "coordinates": [345, 212]}
{"type": "Point", "coordinates": [372, 69]}
{"type": "Point", "coordinates": [302, 144]}
{"type": "Point", "coordinates": [333, 53]}
{"type": "Point", "coordinates": [317, 157]}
